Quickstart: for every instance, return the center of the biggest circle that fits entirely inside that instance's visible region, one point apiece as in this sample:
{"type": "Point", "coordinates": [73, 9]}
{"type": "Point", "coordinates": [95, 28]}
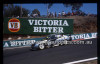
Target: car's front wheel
{"type": "Point", "coordinates": [41, 46]}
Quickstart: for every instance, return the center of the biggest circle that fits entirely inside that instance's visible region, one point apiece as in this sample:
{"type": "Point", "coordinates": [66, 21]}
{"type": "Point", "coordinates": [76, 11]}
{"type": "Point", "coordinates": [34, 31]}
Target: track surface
{"type": "Point", "coordinates": [56, 55]}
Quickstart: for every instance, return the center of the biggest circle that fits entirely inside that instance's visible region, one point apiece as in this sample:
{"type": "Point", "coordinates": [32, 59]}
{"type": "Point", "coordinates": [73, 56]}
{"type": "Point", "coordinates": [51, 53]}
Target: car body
{"type": "Point", "coordinates": [51, 40]}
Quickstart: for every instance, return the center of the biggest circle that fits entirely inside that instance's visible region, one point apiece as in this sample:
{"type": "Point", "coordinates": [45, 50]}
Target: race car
{"type": "Point", "coordinates": [51, 40]}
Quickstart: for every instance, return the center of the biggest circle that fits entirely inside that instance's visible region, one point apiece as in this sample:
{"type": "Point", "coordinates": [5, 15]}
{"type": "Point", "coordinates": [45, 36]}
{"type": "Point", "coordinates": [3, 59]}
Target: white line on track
{"type": "Point", "coordinates": [84, 60]}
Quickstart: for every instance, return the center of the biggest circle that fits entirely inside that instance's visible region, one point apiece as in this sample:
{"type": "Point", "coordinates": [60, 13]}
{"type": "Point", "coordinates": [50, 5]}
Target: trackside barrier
{"type": "Point", "coordinates": [84, 36]}
{"type": "Point", "coordinates": [28, 42]}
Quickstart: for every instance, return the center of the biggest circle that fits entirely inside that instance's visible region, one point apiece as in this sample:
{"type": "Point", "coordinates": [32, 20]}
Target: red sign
{"type": "Point", "coordinates": [14, 25]}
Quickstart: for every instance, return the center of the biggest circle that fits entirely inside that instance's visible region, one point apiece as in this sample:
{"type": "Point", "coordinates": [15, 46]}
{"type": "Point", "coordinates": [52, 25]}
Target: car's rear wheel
{"type": "Point", "coordinates": [52, 46]}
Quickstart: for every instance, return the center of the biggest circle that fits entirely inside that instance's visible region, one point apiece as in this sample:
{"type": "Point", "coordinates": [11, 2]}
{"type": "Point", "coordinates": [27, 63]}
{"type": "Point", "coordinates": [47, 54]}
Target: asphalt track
{"type": "Point", "coordinates": [56, 55]}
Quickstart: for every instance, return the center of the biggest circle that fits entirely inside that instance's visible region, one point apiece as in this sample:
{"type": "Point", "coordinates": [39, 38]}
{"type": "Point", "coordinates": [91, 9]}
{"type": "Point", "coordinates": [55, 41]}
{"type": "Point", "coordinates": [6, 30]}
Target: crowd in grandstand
{"type": "Point", "coordinates": [64, 14]}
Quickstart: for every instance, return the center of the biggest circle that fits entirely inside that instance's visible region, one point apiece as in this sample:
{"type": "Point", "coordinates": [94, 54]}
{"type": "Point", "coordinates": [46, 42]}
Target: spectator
{"type": "Point", "coordinates": [63, 13]}
{"type": "Point", "coordinates": [69, 14]}
{"type": "Point", "coordinates": [28, 15]}
{"type": "Point", "coordinates": [59, 14]}
{"type": "Point", "coordinates": [72, 13]}
{"type": "Point", "coordinates": [17, 17]}
{"type": "Point", "coordinates": [49, 14]}
{"type": "Point", "coordinates": [52, 14]}
{"type": "Point", "coordinates": [36, 15]}
{"type": "Point", "coordinates": [55, 14]}
{"type": "Point", "coordinates": [33, 15]}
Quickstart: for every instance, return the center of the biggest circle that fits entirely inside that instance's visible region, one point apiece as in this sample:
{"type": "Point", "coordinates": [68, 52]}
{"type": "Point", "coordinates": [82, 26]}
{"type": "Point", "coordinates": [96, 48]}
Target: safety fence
{"type": "Point", "coordinates": [28, 42]}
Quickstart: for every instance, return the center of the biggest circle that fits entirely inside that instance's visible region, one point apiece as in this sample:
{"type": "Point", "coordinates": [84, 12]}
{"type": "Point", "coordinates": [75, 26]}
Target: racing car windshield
{"type": "Point", "coordinates": [49, 37]}
{"type": "Point", "coordinates": [52, 37]}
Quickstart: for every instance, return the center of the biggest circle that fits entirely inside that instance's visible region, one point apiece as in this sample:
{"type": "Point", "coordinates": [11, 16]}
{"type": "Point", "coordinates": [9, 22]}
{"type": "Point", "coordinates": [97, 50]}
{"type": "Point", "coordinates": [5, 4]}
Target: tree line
{"type": "Point", "coordinates": [10, 10]}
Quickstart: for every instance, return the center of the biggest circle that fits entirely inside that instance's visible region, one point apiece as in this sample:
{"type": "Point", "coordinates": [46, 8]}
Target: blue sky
{"type": "Point", "coordinates": [59, 7]}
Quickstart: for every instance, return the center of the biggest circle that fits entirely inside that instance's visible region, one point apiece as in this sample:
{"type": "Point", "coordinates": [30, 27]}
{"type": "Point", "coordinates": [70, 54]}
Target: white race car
{"type": "Point", "coordinates": [51, 41]}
